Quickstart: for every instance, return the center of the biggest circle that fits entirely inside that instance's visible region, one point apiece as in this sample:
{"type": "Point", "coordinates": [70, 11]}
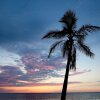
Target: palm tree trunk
{"type": "Point", "coordinates": [63, 95]}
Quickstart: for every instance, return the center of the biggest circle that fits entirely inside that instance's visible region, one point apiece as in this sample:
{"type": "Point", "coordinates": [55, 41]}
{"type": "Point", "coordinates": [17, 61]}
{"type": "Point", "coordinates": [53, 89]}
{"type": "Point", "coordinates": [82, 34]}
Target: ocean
{"type": "Point", "coordinates": [49, 96]}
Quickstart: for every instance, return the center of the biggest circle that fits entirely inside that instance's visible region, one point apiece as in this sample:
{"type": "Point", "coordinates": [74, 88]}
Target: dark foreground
{"type": "Point", "coordinates": [49, 96]}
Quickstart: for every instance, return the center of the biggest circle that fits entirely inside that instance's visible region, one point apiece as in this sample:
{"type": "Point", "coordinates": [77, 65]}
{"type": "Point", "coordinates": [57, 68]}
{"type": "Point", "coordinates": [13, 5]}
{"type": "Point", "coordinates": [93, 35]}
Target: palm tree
{"type": "Point", "coordinates": [69, 39]}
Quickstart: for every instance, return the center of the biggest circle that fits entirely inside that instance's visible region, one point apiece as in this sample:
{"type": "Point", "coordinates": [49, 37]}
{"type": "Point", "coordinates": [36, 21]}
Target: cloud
{"type": "Point", "coordinates": [38, 65]}
{"type": "Point", "coordinates": [36, 68]}
{"type": "Point", "coordinates": [9, 75]}
{"type": "Point", "coordinates": [33, 67]}
{"type": "Point", "coordinates": [42, 63]}
{"type": "Point", "coordinates": [21, 48]}
{"type": "Point", "coordinates": [48, 84]}
{"type": "Point", "coordinates": [79, 72]}
{"type": "Point", "coordinates": [4, 90]}
{"type": "Point", "coordinates": [74, 82]}
{"type": "Point", "coordinates": [32, 86]}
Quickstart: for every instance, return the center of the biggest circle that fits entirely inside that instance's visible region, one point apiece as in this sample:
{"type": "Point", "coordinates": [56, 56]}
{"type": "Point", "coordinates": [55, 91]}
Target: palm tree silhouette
{"type": "Point", "coordinates": [69, 39]}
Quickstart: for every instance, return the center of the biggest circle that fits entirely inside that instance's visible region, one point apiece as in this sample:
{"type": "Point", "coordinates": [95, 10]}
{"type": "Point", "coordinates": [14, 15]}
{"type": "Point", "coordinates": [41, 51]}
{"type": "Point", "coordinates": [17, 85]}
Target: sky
{"type": "Point", "coordinates": [24, 66]}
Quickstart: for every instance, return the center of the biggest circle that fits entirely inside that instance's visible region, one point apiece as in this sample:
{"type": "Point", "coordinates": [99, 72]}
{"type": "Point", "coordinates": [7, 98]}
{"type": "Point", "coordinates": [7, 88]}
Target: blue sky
{"type": "Point", "coordinates": [23, 55]}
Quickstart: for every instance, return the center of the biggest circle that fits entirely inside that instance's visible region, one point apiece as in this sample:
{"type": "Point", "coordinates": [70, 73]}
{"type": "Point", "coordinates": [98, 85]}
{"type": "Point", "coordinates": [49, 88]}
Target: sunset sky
{"type": "Point", "coordinates": [24, 66]}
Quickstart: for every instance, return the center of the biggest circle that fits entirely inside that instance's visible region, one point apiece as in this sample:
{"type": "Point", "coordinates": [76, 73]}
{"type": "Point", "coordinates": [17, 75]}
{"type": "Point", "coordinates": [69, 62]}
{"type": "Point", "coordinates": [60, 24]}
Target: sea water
{"type": "Point", "coordinates": [49, 96]}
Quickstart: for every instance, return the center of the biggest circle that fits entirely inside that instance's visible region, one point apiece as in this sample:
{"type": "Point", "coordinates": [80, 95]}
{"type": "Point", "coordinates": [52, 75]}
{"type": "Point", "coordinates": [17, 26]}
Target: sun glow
{"type": "Point", "coordinates": [55, 88]}
{"type": "Point", "coordinates": [34, 89]}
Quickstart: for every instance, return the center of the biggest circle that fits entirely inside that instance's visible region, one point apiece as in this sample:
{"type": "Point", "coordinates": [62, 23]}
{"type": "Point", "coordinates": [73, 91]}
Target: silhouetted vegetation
{"type": "Point", "coordinates": [69, 40]}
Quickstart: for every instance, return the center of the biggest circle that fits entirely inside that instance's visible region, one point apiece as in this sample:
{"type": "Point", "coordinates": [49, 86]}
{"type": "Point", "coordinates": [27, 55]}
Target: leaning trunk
{"type": "Point", "coordinates": [64, 90]}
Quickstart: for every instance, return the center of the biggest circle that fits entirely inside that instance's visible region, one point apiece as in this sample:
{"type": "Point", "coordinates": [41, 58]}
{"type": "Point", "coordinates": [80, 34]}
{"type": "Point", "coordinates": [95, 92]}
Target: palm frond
{"type": "Point", "coordinates": [85, 49]}
{"type": "Point", "coordinates": [80, 37]}
{"type": "Point", "coordinates": [69, 19]}
{"type": "Point", "coordinates": [87, 28]}
{"type": "Point", "coordinates": [73, 60]}
{"type": "Point", "coordinates": [55, 34]}
{"type": "Point", "coordinates": [53, 47]}
{"type": "Point", "coordinates": [65, 48]}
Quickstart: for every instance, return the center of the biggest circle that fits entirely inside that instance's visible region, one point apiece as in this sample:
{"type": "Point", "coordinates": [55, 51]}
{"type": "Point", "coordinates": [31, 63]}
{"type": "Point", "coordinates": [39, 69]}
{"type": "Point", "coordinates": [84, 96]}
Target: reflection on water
{"type": "Point", "coordinates": [47, 96]}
